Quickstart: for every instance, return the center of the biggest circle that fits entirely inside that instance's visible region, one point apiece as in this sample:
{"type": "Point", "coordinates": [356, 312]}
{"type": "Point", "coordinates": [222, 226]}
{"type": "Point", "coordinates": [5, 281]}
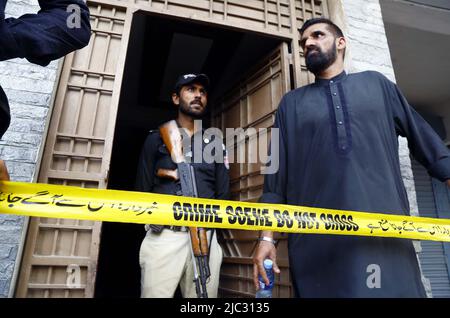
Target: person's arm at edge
{"type": "Point", "coordinates": [45, 36]}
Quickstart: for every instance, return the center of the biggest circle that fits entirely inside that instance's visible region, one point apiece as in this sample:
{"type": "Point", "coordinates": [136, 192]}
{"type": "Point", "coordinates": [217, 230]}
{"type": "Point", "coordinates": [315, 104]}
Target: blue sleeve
{"type": "Point", "coordinates": [47, 35]}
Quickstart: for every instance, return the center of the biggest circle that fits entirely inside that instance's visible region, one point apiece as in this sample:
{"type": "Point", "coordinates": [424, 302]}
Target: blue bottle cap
{"type": "Point", "coordinates": [268, 263]}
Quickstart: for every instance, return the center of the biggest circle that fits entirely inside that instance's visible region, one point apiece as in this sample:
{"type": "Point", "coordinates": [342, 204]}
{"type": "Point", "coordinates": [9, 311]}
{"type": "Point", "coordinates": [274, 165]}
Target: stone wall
{"type": "Point", "coordinates": [29, 90]}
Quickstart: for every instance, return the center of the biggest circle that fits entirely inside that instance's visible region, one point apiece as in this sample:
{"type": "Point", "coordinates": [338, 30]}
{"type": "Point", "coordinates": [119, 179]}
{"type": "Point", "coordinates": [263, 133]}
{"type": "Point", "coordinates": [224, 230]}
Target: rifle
{"type": "Point", "coordinates": [185, 172]}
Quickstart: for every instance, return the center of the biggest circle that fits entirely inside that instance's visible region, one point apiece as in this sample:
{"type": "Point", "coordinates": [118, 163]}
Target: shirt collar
{"type": "Point", "coordinates": [337, 78]}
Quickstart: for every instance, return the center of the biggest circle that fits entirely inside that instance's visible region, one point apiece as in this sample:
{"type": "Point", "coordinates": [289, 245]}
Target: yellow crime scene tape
{"type": "Point", "coordinates": [55, 201]}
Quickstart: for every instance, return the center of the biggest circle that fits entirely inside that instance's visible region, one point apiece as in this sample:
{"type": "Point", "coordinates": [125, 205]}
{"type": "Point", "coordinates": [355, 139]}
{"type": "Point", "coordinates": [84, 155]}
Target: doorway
{"type": "Point", "coordinates": [160, 49]}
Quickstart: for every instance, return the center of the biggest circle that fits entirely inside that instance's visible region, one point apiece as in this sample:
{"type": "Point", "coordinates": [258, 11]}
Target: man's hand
{"type": "Point", "coordinates": [4, 175]}
{"type": "Point", "coordinates": [264, 250]}
{"type": "Point", "coordinates": [448, 183]}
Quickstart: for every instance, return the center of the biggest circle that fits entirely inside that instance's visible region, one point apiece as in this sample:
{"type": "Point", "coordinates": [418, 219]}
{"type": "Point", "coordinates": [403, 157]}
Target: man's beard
{"type": "Point", "coordinates": [320, 61]}
{"type": "Point", "coordinates": [186, 109]}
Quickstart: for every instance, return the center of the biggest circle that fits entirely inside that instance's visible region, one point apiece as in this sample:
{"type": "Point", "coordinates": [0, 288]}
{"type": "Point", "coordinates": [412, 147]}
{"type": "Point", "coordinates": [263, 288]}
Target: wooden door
{"type": "Point", "coordinates": [60, 256]}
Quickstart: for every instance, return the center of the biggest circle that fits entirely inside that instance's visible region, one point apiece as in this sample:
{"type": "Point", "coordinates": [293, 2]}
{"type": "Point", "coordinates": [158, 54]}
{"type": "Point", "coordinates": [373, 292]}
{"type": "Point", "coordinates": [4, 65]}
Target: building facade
{"type": "Point", "coordinates": [82, 120]}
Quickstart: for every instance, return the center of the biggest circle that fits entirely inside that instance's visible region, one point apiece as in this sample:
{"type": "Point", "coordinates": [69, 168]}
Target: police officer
{"type": "Point", "coordinates": [165, 255]}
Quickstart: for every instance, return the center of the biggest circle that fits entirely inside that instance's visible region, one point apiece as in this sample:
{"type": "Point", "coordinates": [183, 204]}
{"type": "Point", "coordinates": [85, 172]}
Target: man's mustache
{"type": "Point", "coordinates": [313, 49]}
{"type": "Point", "coordinates": [197, 101]}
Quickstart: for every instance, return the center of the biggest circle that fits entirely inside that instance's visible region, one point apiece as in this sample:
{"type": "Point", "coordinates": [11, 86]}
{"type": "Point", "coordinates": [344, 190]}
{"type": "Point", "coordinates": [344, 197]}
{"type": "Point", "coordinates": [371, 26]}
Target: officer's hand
{"type": "Point", "coordinates": [264, 250]}
{"type": "Point", "coordinates": [448, 182]}
{"type": "Point", "coordinates": [4, 175]}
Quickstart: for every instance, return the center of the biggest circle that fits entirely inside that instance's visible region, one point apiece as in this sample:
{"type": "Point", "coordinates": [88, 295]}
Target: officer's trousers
{"type": "Point", "coordinates": [166, 261]}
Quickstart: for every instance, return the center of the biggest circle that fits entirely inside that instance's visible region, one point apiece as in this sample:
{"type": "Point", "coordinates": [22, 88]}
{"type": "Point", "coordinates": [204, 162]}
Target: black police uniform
{"type": "Point", "coordinates": [212, 178]}
{"type": "Point", "coordinates": [40, 38]}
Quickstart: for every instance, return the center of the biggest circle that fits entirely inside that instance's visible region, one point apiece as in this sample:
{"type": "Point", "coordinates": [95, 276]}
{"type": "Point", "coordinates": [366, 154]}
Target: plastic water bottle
{"type": "Point", "coordinates": [265, 291]}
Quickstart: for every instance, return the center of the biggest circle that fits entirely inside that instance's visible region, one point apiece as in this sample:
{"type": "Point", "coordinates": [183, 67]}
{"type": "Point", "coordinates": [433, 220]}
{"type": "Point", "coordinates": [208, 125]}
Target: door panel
{"type": "Point", "coordinates": [60, 257]}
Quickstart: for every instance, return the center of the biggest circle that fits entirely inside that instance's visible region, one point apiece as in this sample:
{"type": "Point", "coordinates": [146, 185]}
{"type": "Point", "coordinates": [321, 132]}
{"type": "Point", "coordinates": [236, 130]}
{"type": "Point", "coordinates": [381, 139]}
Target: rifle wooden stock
{"type": "Point", "coordinates": [172, 139]}
{"type": "Point", "coordinates": [199, 241]}
{"type": "Point", "coordinates": [168, 174]}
